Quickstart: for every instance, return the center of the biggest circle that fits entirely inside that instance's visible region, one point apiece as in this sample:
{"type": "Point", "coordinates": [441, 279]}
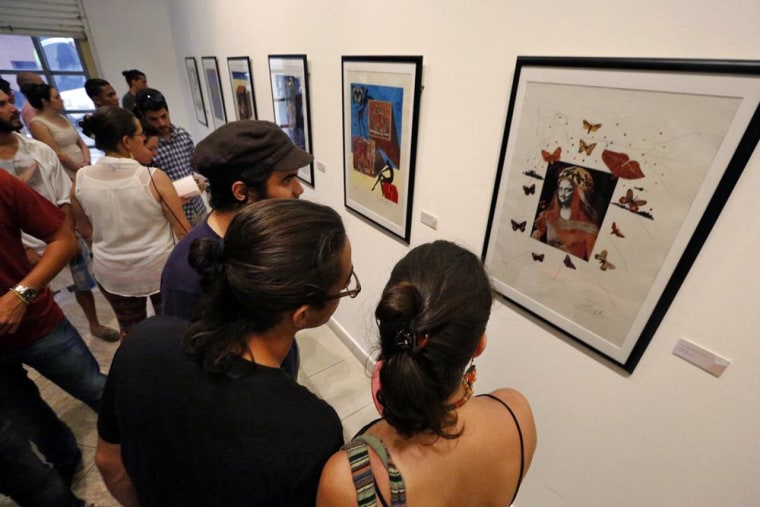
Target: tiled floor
{"type": "Point", "coordinates": [327, 368]}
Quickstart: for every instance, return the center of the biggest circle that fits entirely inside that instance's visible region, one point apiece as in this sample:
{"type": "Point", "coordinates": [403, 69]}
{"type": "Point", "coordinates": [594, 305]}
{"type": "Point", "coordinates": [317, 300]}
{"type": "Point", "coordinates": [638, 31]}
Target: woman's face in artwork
{"type": "Point", "coordinates": [564, 192]}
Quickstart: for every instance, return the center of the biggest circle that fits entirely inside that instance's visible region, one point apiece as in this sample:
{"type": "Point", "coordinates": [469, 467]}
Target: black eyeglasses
{"type": "Point", "coordinates": [352, 293]}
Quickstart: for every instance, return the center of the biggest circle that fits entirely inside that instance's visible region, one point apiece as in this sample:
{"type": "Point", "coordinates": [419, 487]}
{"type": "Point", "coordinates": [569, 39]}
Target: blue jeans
{"type": "Point", "coordinates": [64, 358]}
{"type": "Point", "coordinates": [24, 477]}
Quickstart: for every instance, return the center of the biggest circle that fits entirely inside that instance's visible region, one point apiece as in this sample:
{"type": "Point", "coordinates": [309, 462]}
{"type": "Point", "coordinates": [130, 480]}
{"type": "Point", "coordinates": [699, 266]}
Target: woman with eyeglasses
{"type": "Point", "coordinates": [54, 129]}
{"type": "Point", "coordinates": [436, 444]}
{"type": "Point", "coordinates": [201, 413]}
{"type": "Point", "coordinates": [131, 214]}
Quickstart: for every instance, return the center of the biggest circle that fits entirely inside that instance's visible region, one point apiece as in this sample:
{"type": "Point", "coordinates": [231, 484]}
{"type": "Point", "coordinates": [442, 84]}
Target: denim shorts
{"type": "Point", "coordinates": [80, 267]}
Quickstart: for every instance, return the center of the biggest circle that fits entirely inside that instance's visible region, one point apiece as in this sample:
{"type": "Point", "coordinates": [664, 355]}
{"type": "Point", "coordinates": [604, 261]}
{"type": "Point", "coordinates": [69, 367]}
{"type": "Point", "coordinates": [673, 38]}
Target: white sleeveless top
{"type": "Point", "coordinates": [66, 138]}
{"type": "Point", "coordinates": [131, 237]}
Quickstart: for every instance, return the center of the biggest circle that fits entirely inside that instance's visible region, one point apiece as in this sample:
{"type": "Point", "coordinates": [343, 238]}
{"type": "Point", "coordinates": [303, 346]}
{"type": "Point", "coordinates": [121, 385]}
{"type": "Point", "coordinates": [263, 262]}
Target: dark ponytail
{"type": "Point", "coordinates": [431, 316]}
{"type": "Point", "coordinates": [278, 255]}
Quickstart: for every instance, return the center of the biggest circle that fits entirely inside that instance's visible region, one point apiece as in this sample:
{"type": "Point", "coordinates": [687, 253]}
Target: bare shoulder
{"type": "Point", "coordinates": [521, 408]}
{"type": "Point", "coordinates": [336, 487]}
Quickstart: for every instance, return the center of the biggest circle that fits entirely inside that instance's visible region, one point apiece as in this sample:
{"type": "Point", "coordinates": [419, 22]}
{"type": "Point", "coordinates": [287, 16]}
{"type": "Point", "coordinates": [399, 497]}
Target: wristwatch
{"type": "Point", "coordinates": [25, 294]}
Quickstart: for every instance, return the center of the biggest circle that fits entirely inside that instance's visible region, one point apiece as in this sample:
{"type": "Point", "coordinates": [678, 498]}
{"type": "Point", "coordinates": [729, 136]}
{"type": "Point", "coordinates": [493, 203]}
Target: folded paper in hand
{"type": "Point", "coordinates": [187, 187]}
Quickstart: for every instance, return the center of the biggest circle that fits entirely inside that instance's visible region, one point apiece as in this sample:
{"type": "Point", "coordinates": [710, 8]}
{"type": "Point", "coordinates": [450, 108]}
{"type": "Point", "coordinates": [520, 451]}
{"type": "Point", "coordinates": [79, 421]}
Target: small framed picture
{"type": "Point", "coordinates": [191, 67]}
{"type": "Point", "coordinates": [241, 80]}
{"type": "Point", "coordinates": [214, 86]}
{"type": "Point", "coordinates": [381, 97]}
{"type": "Point", "coordinates": [290, 97]}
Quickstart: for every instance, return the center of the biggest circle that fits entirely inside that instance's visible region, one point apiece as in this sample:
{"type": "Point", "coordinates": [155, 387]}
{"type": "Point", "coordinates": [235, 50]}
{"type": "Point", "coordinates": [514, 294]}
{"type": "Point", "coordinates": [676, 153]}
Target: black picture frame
{"type": "Point", "coordinates": [647, 152]}
{"type": "Point", "coordinates": [214, 87]}
{"type": "Point", "coordinates": [381, 103]}
{"type": "Point", "coordinates": [243, 91]}
{"type": "Point", "coordinates": [193, 79]}
{"type": "Point", "coordinates": [289, 81]}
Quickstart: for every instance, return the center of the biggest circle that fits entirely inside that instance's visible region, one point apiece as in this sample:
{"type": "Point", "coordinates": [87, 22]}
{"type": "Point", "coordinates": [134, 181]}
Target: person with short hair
{"type": "Point", "coordinates": [37, 165]}
{"type": "Point", "coordinates": [130, 213]}
{"type": "Point", "coordinates": [201, 413]}
{"type": "Point", "coordinates": [34, 332]}
{"type": "Point", "coordinates": [101, 92]}
{"type": "Point", "coordinates": [54, 129]}
{"type": "Point", "coordinates": [24, 79]}
{"type": "Point", "coordinates": [440, 445]}
{"type": "Point", "coordinates": [175, 146]}
{"type": "Point", "coordinates": [245, 161]}
{"type": "Point", "coordinates": [136, 81]}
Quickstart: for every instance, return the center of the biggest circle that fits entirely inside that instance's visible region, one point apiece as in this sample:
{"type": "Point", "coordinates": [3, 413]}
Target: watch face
{"type": "Point", "coordinates": [26, 292]}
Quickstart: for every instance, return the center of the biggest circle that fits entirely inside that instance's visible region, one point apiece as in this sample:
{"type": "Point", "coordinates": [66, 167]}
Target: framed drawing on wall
{"type": "Point", "coordinates": [241, 80]}
{"type": "Point", "coordinates": [191, 67]}
{"type": "Point", "coordinates": [381, 96]}
{"type": "Point", "coordinates": [214, 87]}
{"type": "Point", "coordinates": [612, 173]}
{"type": "Point", "coordinates": [290, 97]}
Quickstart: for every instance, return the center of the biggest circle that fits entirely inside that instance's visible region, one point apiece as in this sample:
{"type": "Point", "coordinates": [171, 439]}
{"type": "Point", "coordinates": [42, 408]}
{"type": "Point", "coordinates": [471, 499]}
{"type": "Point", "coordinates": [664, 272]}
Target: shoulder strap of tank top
{"type": "Point", "coordinates": [522, 447]}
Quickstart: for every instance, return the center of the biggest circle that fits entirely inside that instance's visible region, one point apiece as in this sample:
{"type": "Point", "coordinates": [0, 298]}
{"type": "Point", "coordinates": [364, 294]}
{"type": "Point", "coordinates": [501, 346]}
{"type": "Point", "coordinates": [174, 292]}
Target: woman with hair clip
{"type": "Point", "coordinates": [54, 129]}
{"type": "Point", "coordinates": [440, 445]}
{"type": "Point", "coordinates": [201, 413]}
{"type": "Point", "coordinates": [130, 214]}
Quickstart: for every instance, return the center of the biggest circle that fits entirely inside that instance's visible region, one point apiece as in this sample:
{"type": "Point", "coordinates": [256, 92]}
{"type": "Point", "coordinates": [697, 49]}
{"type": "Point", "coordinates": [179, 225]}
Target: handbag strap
{"type": "Point", "coordinates": [361, 472]}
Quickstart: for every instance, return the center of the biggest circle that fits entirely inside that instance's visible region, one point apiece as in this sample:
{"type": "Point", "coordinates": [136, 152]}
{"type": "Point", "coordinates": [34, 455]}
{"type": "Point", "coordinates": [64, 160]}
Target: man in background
{"type": "Point", "coordinates": [24, 79]}
{"type": "Point", "coordinates": [175, 147]}
{"type": "Point", "coordinates": [37, 165]}
{"type": "Point", "coordinates": [101, 92]}
{"type": "Point", "coordinates": [244, 161]}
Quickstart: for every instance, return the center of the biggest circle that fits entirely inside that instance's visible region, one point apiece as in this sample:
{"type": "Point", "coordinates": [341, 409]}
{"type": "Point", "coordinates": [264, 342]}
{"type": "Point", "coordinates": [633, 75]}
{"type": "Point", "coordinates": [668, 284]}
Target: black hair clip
{"type": "Point", "coordinates": [405, 340]}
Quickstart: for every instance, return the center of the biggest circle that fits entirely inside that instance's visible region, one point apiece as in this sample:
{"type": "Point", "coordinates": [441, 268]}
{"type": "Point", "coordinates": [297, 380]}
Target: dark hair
{"type": "Point", "coordinates": [149, 99]}
{"type": "Point", "coordinates": [35, 93]}
{"type": "Point", "coordinates": [93, 86]}
{"type": "Point", "coordinates": [439, 293]}
{"type": "Point", "coordinates": [278, 255]}
{"type": "Point", "coordinates": [5, 86]}
{"type": "Point", "coordinates": [148, 129]}
{"type": "Point", "coordinates": [220, 187]}
{"type": "Point", "coordinates": [107, 125]}
{"type": "Point", "coordinates": [131, 75]}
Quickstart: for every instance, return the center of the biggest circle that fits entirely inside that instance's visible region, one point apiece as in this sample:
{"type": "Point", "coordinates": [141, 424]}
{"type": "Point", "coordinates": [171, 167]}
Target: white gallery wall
{"type": "Point", "coordinates": [667, 435]}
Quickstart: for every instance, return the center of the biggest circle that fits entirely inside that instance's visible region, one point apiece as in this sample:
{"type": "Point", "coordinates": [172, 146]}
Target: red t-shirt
{"type": "Point", "coordinates": [21, 208]}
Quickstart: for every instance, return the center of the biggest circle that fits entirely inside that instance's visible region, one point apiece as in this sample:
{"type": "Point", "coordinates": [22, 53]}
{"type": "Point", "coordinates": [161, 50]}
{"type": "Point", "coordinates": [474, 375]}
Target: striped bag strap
{"type": "Point", "coordinates": [398, 488]}
{"type": "Point", "coordinates": [361, 472]}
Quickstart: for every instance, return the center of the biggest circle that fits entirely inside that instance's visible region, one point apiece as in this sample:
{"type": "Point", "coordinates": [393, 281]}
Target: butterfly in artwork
{"type": "Point", "coordinates": [537, 257]}
{"type": "Point", "coordinates": [553, 156]}
{"type": "Point", "coordinates": [518, 225]}
{"type": "Point", "coordinates": [529, 189]}
{"type": "Point", "coordinates": [588, 148]}
{"type": "Point", "coordinates": [568, 262]}
{"type": "Point", "coordinates": [631, 202]}
{"type": "Point", "coordinates": [621, 165]}
{"type": "Point", "coordinates": [604, 264]}
{"type": "Point", "coordinates": [616, 231]}
{"type": "Point", "coordinates": [591, 127]}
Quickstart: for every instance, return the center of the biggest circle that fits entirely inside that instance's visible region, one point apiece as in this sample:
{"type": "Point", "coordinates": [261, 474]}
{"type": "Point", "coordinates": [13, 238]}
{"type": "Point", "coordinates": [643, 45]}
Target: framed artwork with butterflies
{"type": "Point", "coordinates": [611, 175]}
{"type": "Point", "coordinates": [381, 96]}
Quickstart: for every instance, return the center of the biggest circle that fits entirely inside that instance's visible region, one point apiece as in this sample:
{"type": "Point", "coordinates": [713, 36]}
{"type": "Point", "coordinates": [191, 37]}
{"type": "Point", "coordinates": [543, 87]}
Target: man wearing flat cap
{"type": "Point", "coordinates": [244, 161]}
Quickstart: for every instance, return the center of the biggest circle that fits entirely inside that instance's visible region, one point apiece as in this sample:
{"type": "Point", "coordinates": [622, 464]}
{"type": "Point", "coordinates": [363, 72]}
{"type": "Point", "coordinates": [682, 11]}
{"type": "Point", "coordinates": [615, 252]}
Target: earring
{"type": "Point", "coordinates": [470, 376]}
